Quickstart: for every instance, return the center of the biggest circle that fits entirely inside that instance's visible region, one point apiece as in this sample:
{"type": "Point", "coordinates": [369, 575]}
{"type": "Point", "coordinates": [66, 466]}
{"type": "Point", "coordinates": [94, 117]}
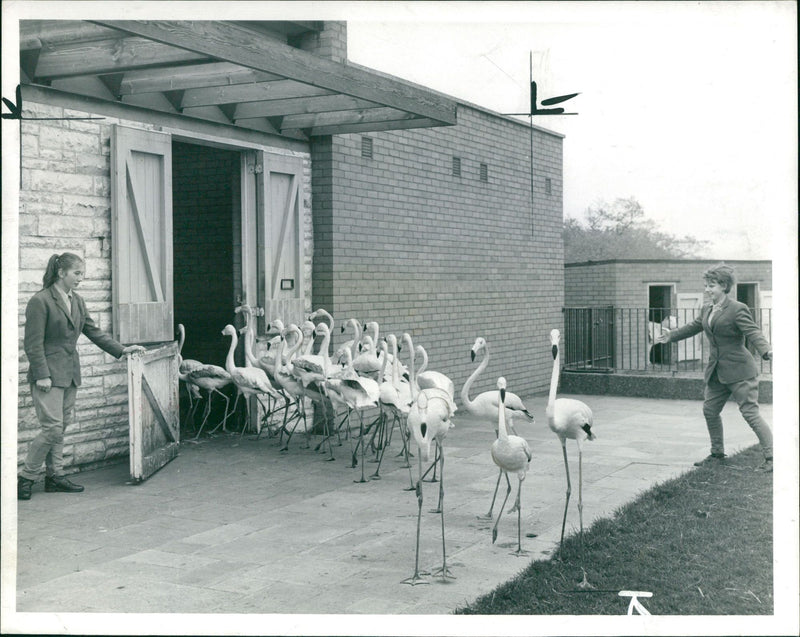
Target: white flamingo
{"type": "Point", "coordinates": [351, 345]}
{"type": "Point", "coordinates": [513, 455]}
{"type": "Point", "coordinates": [251, 381]}
{"type": "Point", "coordinates": [486, 404]}
{"type": "Point", "coordinates": [427, 379]}
{"type": "Point", "coordinates": [184, 367]}
{"type": "Point", "coordinates": [288, 381]}
{"type": "Point", "coordinates": [356, 394]}
{"type": "Point", "coordinates": [568, 418]}
{"type": "Point", "coordinates": [370, 360]}
{"type": "Point", "coordinates": [429, 421]}
{"type": "Point", "coordinates": [212, 378]}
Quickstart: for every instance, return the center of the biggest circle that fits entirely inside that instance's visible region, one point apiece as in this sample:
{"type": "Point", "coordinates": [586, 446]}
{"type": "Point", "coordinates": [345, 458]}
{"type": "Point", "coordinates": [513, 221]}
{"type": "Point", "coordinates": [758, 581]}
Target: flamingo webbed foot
{"type": "Point", "coordinates": [415, 579]}
{"type": "Point", "coordinates": [443, 572]}
{"type": "Point", "coordinates": [520, 552]}
{"type": "Point", "coordinates": [585, 582]}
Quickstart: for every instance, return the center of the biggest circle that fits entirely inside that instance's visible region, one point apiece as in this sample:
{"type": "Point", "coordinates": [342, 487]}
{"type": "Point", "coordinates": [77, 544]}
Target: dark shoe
{"type": "Point", "coordinates": [766, 467]}
{"type": "Point", "coordinates": [61, 485]}
{"type": "Point", "coordinates": [24, 488]}
{"type": "Point", "coordinates": [718, 457]}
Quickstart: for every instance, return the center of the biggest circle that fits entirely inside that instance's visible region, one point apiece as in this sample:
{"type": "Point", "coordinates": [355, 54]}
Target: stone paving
{"type": "Point", "coordinates": [232, 525]}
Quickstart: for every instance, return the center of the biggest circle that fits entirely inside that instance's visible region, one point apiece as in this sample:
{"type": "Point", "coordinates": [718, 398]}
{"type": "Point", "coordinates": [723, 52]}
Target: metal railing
{"type": "Point", "coordinates": [608, 339]}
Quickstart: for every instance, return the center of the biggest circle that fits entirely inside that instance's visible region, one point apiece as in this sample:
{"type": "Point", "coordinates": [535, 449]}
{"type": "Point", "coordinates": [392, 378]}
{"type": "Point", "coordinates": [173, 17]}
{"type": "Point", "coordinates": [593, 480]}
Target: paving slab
{"type": "Point", "coordinates": [233, 525]}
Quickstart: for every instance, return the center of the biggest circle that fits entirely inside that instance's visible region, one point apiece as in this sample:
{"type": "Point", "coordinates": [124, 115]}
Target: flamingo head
{"type": "Point", "coordinates": [307, 329]}
{"type": "Point", "coordinates": [478, 346]}
{"type": "Point", "coordinates": [322, 329]}
{"type": "Point", "coordinates": [501, 386]}
{"type": "Point", "coordinates": [229, 330]}
{"type": "Point", "coordinates": [555, 338]}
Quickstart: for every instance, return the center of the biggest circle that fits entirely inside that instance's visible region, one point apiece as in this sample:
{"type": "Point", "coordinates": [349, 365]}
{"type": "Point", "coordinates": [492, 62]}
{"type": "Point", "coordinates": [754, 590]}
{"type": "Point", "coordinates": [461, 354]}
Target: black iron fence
{"type": "Point", "coordinates": [606, 339]}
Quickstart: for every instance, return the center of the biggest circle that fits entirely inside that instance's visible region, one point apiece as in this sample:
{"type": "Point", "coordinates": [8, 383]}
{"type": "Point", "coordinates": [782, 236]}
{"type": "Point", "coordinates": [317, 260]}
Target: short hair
{"type": "Point", "coordinates": [722, 274]}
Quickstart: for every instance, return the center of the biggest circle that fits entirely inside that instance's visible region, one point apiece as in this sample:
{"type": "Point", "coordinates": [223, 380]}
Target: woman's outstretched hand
{"type": "Point", "coordinates": [663, 337]}
{"type": "Point", "coordinates": [133, 349]}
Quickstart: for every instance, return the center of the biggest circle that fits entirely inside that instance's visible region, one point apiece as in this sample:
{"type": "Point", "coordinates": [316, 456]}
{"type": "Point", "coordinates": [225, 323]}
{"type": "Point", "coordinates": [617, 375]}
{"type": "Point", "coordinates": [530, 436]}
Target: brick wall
{"type": "Point", "coordinates": [625, 283]}
{"type": "Point", "coordinates": [399, 239]}
{"type": "Point", "coordinates": [330, 42]}
{"type": "Point", "coordinates": [65, 206]}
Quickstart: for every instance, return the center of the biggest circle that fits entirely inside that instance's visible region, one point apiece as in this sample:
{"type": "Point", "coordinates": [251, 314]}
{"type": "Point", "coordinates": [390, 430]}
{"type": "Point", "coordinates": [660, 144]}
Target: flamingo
{"type": "Point", "coordinates": [429, 421]}
{"type": "Point", "coordinates": [251, 381]}
{"type": "Point", "coordinates": [568, 418]}
{"type": "Point", "coordinates": [212, 378]}
{"type": "Point", "coordinates": [428, 379]}
{"type": "Point", "coordinates": [486, 404]}
{"type": "Point", "coordinates": [352, 344]}
{"type": "Point", "coordinates": [513, 455]}
{"type": "Point", "coordinates": [356, 394]}
{"type": "Point", "coordinates": [184, 367]}
{"type": "Point", "coordinates": [288, 381]}
{"type": "Point", "coordinates": [369, 361]}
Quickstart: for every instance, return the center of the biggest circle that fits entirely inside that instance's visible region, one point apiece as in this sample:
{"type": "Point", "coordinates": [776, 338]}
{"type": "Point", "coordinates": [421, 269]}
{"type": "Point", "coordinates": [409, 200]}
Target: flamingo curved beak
{"type": "Point", "coordinates": [555, 351]}
{"type": "Point", "coordinates": [472, 355]}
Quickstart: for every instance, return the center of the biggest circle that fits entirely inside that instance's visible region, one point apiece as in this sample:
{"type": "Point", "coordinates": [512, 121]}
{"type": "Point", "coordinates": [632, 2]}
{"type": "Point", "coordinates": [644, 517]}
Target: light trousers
{"type": "Point", "coordinates": [745, 393]}
{"type": "Point", "coordinates": [55, 410]}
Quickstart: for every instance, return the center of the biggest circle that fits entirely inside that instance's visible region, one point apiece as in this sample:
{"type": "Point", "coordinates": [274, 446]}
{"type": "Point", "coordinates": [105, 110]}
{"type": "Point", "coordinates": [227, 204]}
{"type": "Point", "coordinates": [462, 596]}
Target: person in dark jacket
{"type": "Point", "coordinates": [54, 318]}
{"type": "Point", "coordinates": [731, 369]}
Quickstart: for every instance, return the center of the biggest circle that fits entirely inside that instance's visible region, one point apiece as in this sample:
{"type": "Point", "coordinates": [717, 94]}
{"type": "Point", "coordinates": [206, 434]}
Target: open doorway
{"type": "Point", "coordinates": [205, 193]}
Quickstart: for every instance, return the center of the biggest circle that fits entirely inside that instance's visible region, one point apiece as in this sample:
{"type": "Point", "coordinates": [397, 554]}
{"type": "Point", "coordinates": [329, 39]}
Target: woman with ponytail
{"type": "Point", "coordinates": [54, 318]}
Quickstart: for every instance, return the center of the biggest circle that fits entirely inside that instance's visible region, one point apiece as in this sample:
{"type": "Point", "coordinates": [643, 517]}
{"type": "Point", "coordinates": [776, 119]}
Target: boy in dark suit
{"type": "Point", "coordinates": [731, 369]}
{"type": "Point", "coordinates": [54, 318]}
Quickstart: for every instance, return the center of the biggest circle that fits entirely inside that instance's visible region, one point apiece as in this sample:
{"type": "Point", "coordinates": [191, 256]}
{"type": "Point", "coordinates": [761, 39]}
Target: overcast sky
{"type": "Point", "coordinates": [688, 107]}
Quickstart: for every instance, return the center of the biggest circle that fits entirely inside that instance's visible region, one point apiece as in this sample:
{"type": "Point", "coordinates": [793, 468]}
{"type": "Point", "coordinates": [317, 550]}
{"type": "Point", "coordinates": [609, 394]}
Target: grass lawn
{"type": "Point", "coordinates": [701, 543]}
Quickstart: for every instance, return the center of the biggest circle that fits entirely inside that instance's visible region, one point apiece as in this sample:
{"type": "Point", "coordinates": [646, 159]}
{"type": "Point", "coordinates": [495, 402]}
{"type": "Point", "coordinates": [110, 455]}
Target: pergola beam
{"type": "Point", "coordinates": [108, 56]}
{"type": "Point", "coordinates": [259, 91]}
{"type": "Point", "coordinates": [230, 43]}
{"type": "Point", "coordinates": [191, 76]}
{"type": "Point", "coordinates": [300, 105]}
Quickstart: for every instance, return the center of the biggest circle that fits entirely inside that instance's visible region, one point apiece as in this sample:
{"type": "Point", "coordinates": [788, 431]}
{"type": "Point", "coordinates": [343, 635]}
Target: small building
{"type": "Point", "coordinates": [197, 166]}
{"type": "Point", "coordinates": [615, 308]}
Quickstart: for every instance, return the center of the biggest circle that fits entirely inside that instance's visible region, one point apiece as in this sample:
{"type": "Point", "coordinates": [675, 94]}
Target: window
{"type": "Point", "coordinates": [484, 173]}
{"type": "Point", "coordinates": [366, 147]}
{"type": "Point", "coordinates": [548, 185]}
{"type": "Point", "coordinates": [456, 166]}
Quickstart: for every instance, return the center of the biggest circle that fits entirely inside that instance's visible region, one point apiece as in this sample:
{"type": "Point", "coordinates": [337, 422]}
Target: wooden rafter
{"type": "Point", "coordinates": [320, 104]}
{"type": "Point", "coordinates": [191, 76]}
{"type": "Point", "coordinates": [372, 127]}
{"type": "Point", "coordinates": [108, 56]}
{"type": "Point", "coordinates": [278, 90]}
{"type": "Point", "coordinates": [231, 43]}
{"type": "Point", "coordinates": [361, 116]}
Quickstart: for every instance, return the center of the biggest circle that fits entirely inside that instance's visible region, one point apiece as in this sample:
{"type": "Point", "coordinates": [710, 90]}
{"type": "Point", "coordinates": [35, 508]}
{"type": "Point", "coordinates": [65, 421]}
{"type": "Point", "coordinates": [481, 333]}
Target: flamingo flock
{"type": "Point", "coordinates": [365, 375]}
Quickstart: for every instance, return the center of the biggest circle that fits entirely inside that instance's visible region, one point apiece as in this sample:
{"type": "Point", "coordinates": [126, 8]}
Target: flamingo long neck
{"type": "Point", "coordinates": [293, 350]}
{"type": "Point", "coordinates": [478, 371]}
{"type": "Point", "coordinates": [385, 353]}
{"type": "Point", "coordinates": [395, 365]}
{"type": "Point", "coordinates": [249, 339]}
{"type": "Point", "coordinates": [181, 339]}
{"type": "Point", "coordinates": [502, 431]}
{"type": "Point", "coordinates": [551, 400]}
{"type": "Point", "coordinates": [424, 355]}
{"type": "Point", "coordinates": [412, 379]}
{"type": "Point", "coordinates": [229, 363]}
{"type": "Point", "coordinates": [328, 316]}
{"type": "Point", "coordinates": [356, 337]}
{"type": "Point", "coordinates": [323, 349]}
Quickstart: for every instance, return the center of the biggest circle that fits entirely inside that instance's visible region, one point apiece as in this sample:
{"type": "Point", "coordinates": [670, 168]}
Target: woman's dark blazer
{"type": "Point", "coordinates": [51, 336]}
{"type": "Point", "coordinates": [726, 334]}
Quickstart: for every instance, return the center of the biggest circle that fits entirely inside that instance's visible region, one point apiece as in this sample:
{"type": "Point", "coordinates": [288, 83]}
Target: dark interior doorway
{"type": "Point", "coordinates": [659, 303]}
{"type": "Point", "coordinates": [205, 184]}
{"type": "Point", "coordinates": [746, 293]}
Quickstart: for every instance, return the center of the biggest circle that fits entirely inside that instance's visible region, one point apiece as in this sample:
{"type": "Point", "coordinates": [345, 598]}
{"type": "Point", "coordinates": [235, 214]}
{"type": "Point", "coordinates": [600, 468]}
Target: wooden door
{"type": "Point", "coordinates": [280, 253]}
{"type": "Point", "coordinates": [141, 232]}
{"type": "Point", "coordinates": [153, 421]}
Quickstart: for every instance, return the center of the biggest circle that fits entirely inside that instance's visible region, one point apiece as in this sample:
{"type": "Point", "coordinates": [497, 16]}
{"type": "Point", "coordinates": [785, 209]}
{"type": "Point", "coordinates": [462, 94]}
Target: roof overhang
{"type": "Point", "coordinates": [234, 73]}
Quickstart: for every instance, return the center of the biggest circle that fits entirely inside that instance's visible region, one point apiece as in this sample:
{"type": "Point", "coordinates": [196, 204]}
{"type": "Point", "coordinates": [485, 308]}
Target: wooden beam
{"type": "Point", "coordinates": [320, 104]}
{"type": "Point", "coordinates": [33, 34]}
{"type": "Point", "coordinates": [278, 90]}
{"type": "Point", "coordinates": [231, 43]}
{"type": "Point", "coordinates": [372, 127]}
{"type": "Point", "coordinates": [335, 118]}
{"type": "Point", "coordinates": [191, 76]}
{"type": "Point", "coordinates": [108, 56]}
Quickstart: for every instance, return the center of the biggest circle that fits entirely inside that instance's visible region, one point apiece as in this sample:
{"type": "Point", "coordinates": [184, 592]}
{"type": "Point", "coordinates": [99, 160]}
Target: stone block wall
{"type": "Point", "coordinates": [402, 240]}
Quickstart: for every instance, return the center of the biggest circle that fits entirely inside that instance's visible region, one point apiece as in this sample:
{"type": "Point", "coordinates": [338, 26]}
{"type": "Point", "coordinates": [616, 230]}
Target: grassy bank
{"type": "Point", "coordinates": [701, 543]}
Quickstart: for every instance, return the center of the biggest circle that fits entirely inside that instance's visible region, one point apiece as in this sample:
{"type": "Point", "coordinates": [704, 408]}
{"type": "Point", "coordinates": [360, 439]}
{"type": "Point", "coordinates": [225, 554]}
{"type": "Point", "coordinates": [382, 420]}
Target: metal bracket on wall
{"type": "Point", "coordinates": [255, 169]}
